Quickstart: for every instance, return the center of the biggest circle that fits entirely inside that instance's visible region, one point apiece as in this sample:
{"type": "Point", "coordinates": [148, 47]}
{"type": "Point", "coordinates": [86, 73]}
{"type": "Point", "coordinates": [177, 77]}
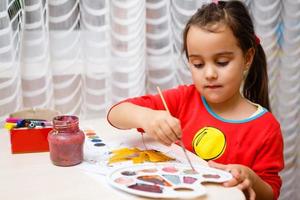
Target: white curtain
{"type": "Point", "coordinates": [81, 56]}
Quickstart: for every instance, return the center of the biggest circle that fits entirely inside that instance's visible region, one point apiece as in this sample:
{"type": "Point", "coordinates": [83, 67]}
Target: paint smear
{"type": "Point", "coordinates": [90, 134]}
{"type": "Point", "coordinates": [93, 137]}
{"type": "Point", "coordinates": [172, 178]}
{"type": "Point", "coordinates": [170, 169]}
{"type": "Point", "coordinates": [183, 189]}
{"type": "Point", "coordinates": [152, 170]}
{"type": "Point", "coordinates": [190, 171]}
{"type": "Point", "coordinates": [146, 188]}
{"type": "Point", "coordinates": [124, 181]}
{"type": "Point", "coordinates": [128, 173]}
{"type": "Point", "coordinates": [189, 180]}
{"type": "Point", "coordinates": [154, 179]}
{"type": "Point", "coordinates": [89, 130]}
{"type": "Point", "coordinates": [96, 140]}
{"type": "Point", "coordinates": [99, 144]}
{"type": "Point", "coordinates": [215, 176]}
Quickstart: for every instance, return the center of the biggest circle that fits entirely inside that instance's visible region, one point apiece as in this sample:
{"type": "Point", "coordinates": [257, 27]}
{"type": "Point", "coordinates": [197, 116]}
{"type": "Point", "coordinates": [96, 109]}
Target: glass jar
{"type": "Point", "coordinates": [66, 141]}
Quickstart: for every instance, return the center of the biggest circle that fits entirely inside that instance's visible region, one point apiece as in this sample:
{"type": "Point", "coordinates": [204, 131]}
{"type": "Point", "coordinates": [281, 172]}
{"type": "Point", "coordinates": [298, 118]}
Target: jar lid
{"type": "Point", "coordinates": [65, 121]}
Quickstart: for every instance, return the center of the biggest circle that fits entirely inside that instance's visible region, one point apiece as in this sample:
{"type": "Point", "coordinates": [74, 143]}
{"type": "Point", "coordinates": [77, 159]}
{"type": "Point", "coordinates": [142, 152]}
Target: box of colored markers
{"type": "Point", "coordinates": [29, 130]}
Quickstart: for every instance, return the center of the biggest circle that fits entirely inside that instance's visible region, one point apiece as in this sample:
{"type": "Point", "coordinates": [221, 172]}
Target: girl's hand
{"type": "Point", "coordinates": [242, 177]}
{"type": "Point", "coordinates": [160, 125]}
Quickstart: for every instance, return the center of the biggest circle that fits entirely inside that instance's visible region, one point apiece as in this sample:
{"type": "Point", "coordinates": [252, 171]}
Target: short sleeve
{"type": "Point", "coordinates": [172, 97]}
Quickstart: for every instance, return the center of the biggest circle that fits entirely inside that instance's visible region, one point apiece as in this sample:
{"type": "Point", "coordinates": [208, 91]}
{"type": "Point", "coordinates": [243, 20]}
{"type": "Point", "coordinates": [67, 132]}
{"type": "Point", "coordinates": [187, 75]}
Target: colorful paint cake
{"type": "Point", "coordinates": [93, 138]}
{"type": "Point", "coordinates": [166, 180]}
{"type": "Point", "coordinates": [94, 147]}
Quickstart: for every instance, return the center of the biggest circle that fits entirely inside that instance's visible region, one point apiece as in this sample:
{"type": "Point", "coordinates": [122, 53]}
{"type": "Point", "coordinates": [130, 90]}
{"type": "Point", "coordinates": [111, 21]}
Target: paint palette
{"type": "Point", "coordinates": [93, 138]}
{"type": "Point", "coordinates": [94, 147]}
{"type": "Point", "coordinates": [165, 180]}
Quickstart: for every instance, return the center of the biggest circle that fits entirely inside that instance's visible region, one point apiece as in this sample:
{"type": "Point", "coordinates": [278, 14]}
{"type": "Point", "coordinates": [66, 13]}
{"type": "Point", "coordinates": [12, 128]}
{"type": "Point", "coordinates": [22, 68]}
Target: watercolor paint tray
{"type": "Point", "coordinates": [95, 149]}
{"type": "Point", "coordinates": [165, 180]}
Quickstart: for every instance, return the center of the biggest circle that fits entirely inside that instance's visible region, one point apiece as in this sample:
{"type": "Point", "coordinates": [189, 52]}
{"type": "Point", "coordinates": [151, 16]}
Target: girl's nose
{"type": "Point", "coordinates": [210, 73]}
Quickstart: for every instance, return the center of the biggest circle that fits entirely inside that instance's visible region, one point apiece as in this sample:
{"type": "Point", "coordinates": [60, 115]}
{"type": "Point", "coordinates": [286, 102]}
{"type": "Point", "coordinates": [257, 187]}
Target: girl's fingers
{"type": "Point", "coordinates": [244, 185]}
{"type": "Point", "coordinates": [217, 165]}
{"type": "Point", "coordinates": [168, 132]}
{"type": "Point", "coordinates": [247, 188]}
{"type": "Point", "coordinates": [236, 173]}
{"type": "Point", "coordinates": [238, 179]}
{"type": "Point", "coordinates": [232, 182]}
{"type": "Point", "coordinates": [252, 194]}
{"type": "Point", "coordinates": [156, 137]}
{"type": "Point", "coordinates": [174, 125]}
{"type": "Point", "coordinates": [162, 137]}
{"type": "Point", "coordinates": [229, 183]}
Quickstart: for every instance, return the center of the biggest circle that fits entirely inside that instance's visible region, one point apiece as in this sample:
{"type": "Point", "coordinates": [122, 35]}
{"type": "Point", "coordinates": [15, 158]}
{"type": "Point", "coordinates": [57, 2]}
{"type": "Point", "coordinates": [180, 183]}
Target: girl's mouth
{"type": "Point", "coordinates": [212, 86]}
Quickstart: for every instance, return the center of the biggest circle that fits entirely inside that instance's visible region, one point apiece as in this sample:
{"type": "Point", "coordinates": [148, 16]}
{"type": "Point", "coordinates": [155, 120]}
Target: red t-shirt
{"type": "Point", "coordinates": [255, 142]}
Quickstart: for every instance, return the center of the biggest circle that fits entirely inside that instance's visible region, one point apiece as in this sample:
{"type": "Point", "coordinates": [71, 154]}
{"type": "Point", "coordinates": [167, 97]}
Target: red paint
{"type": "Point", "coordinates": [157, 180]}
{"type": "Point", "coordinates": [146, 187]}
{"type": "Point", "coordinates": [90, 134]}
{"type": "Point", "coordinates": [170, 169]}
{"type": "Point", "coordinates": [189, 180]}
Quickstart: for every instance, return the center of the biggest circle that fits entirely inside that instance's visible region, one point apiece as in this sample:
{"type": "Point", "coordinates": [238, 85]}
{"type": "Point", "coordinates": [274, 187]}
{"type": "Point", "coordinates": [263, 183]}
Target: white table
{"type": "Point", "coordinates": [32, 176]}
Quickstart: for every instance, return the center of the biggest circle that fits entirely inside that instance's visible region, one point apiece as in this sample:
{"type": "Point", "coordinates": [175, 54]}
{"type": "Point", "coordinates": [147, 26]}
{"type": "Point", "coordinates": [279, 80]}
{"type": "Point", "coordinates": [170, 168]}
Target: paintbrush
{"type": "Point", "coordinates": [180, 140]}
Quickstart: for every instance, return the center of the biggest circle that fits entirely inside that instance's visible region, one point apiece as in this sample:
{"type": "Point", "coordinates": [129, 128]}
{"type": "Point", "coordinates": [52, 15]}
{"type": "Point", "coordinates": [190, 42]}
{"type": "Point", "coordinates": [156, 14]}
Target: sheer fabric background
{"type": "Point", "coordinates": [81, 56]}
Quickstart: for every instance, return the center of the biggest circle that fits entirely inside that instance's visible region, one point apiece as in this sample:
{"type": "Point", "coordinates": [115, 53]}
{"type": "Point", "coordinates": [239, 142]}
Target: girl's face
{"type": "Point", "coordinates": [216, 62]}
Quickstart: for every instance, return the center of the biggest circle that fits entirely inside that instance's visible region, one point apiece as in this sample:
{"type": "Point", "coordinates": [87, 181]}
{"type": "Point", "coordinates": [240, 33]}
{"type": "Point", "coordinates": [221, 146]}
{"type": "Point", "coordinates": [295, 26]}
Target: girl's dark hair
{"type": "Point", "coordinates": [235, 15]}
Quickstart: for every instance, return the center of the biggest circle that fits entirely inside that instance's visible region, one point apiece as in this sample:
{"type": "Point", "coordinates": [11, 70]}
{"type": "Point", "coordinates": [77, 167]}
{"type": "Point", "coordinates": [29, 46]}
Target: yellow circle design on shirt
{"type": "Point", "coordinates": [209, 143]}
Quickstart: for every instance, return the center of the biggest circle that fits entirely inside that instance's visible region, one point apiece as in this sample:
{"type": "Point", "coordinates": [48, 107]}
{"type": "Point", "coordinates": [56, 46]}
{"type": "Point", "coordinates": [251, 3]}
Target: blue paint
{"type": "Point", "coordinates": [172, 178]}
{"type": "Point", "coordinates": [96, 140]}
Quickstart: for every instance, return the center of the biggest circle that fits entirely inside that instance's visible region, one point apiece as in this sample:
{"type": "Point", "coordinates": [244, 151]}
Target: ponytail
{"type": "Point", "coordinates": [256, 83]}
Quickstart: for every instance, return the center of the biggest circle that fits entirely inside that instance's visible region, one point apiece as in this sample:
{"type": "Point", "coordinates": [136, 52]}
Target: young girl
{"type": "Point", "coordinates": [223, 116]}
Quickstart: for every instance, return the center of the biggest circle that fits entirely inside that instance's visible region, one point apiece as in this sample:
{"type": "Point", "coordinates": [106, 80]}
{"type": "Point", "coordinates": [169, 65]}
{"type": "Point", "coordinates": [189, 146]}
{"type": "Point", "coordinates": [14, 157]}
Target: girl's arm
{"type": "Point", "coordinates": [127, 115]}
{"type": "Point", "coordinates": [159, 124]}
{"type": "Point", "coordinates": [262, 189]}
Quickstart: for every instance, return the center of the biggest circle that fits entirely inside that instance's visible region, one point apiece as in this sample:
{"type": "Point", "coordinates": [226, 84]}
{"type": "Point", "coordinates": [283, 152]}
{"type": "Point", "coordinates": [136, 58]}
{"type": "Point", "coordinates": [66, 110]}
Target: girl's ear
{"type": "Point", "coordinates": [249, 57]}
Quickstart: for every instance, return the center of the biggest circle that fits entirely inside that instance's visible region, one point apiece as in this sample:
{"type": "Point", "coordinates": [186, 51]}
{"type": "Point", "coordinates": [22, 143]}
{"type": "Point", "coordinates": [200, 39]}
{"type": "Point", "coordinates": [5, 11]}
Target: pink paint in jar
{"type": "Point", "coordinates": [66, 141]}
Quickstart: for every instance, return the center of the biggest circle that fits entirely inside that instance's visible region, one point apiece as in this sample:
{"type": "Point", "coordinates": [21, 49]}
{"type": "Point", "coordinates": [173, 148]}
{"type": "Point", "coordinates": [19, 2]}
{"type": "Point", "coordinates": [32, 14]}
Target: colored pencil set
{"type": "Point", "coordinates": [25, 123]}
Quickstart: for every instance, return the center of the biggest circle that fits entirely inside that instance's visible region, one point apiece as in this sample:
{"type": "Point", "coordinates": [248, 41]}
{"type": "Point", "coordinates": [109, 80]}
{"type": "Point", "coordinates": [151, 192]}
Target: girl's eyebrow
{"type": "Point", "coordinates": [224, 53]}
{"type": "Point", "coordinates": [217, 54]}
{"type": "Point", "coordinates": [194, 55]}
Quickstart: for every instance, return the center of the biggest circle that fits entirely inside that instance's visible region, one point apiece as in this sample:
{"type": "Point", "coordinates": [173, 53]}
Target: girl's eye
{"type": "Point", "coordinates": [222, 63]}
{"type": "Point", "coordinates": [198, 65]}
